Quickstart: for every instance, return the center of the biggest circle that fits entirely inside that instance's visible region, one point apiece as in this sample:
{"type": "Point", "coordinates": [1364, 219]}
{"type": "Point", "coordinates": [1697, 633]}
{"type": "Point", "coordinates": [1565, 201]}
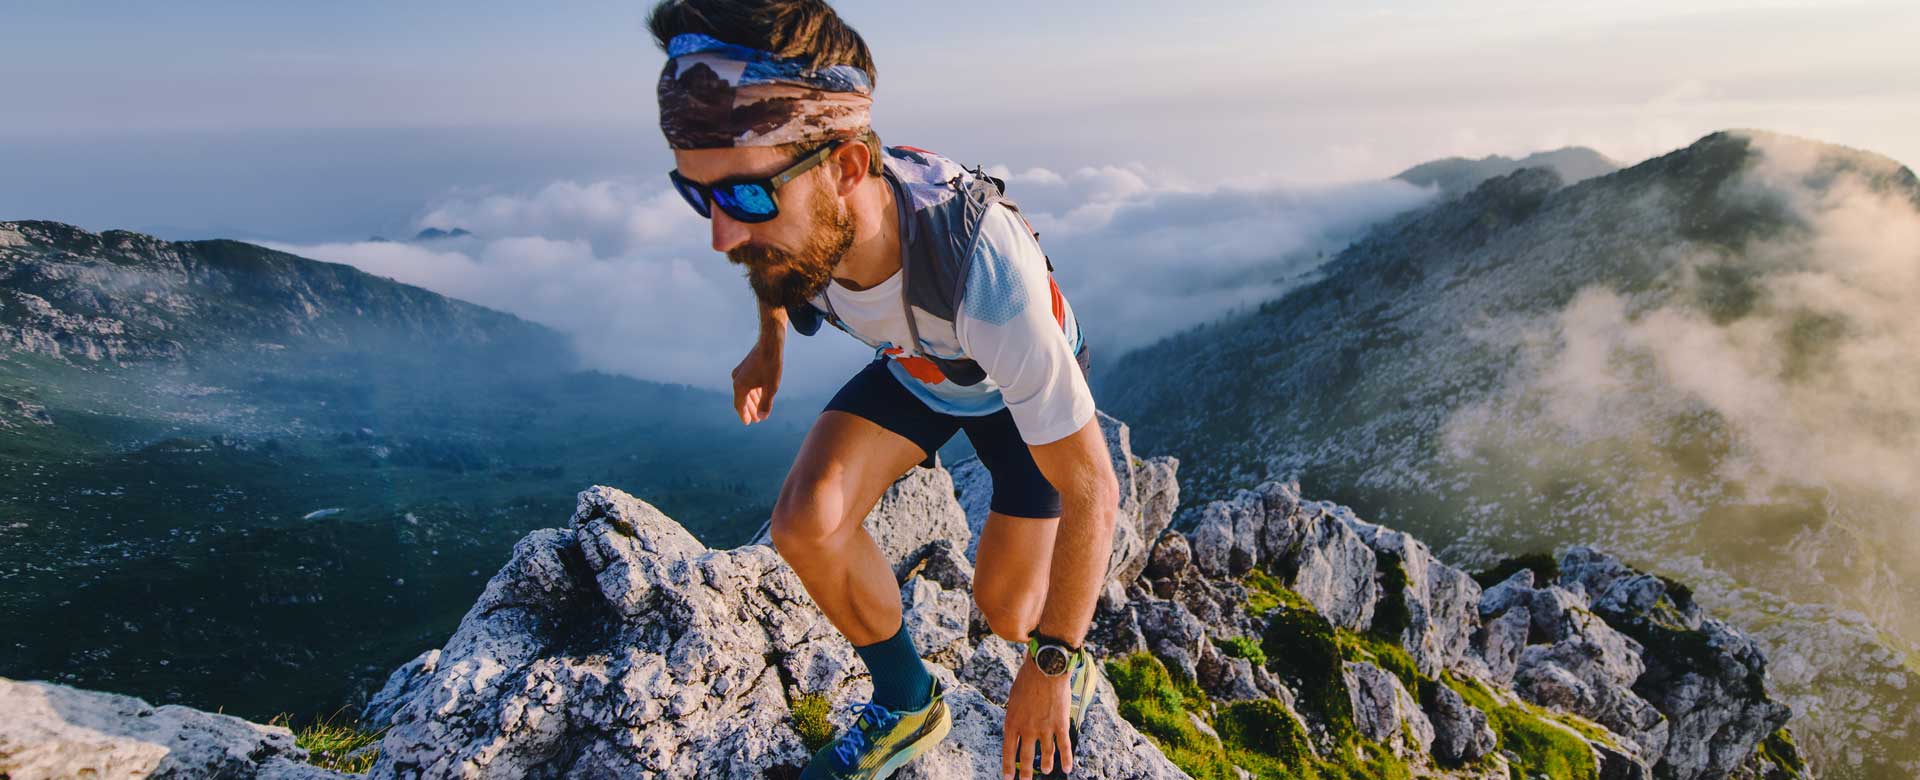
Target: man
{"type": "Point", "coordinates": [766, 105]}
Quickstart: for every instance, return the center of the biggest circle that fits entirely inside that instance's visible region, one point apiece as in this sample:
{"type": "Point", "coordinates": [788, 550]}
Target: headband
{"type": "Point", "coordinates": [715, 94]}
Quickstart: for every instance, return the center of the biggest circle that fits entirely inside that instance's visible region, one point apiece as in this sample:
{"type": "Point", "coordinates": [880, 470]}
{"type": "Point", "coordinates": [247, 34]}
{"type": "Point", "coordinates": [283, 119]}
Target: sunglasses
{"type": "Point", "coordinates": [746, 199]}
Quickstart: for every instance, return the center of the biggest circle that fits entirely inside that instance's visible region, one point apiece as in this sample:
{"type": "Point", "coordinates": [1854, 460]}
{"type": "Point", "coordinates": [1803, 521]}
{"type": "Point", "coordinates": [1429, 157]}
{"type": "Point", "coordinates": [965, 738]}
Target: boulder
{"type": "Point", "coordinates": [54, 732]}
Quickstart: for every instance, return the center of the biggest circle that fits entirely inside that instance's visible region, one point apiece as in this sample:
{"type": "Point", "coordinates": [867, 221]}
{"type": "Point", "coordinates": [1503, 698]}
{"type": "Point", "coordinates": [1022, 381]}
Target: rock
{"type": "Point", "coordinates": [622, 647]}
{"type": "Point", "coordinates": [941, 561]}
{"type": "Point", "coordinates": [936, 618]}
{"type": "Point", "coordinates": [1384, 712]}
{"type": "Point", "coordinates": [1706, 678]}
{"type": "Point", "coordinates": [55, 732]}
{"type": "Point", "coordinates": [1460, 730]}
{"type": "Point", "coordinates": [1717, 705]}
{"type": "Point", "coordinates": [1499, 641]}
{"type": "Point", "coordinates": [1438, 606]}
{"type": "Point", "coordinates": [918, 509]}
{"type": "Point", "coordinates": [1591, 673]}
{"type": "Point", "coordinates": [1303, 543]}
{"type": "Point", "coordinates": [1149, 494]}
{"type": "Point", "coordinates": [1516, 589]}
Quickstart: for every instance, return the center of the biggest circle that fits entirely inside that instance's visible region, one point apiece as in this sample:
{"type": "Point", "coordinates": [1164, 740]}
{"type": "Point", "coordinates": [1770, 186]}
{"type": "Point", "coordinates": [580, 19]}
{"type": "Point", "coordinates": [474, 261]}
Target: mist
{"type": "Point", "coordinates": [625, 269]}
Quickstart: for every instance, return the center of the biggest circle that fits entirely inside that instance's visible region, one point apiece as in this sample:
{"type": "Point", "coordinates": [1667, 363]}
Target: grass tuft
{"type": "Point", "coordinates": [334, 742]}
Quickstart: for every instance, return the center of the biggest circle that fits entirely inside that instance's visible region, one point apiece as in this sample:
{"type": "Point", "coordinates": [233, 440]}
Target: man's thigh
{"type": "Point", "coordinates": [870, 433]}
{"type": "Point", "coordinates": [844, 466]}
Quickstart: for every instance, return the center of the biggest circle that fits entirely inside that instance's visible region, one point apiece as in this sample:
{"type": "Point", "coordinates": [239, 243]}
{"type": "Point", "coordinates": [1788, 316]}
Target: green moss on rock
{"type": "Point", "coordinates": [1302, 647]}
{"type": "Point", "coordinates": [1542, 747]}
{"type": "Point", "coordinates": [1778, 749]}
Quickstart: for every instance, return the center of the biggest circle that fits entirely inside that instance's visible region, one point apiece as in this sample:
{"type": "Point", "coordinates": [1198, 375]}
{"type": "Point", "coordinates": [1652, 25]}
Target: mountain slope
{"type": "Point", "coordinates": [236, 478]}
{"type": "Point", "coordinates": [1696, 361]}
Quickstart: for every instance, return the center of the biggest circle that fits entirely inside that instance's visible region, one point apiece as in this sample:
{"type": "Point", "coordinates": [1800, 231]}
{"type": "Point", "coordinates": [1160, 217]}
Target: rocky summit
{"type": "Point", "coordinates": [1267, 635]}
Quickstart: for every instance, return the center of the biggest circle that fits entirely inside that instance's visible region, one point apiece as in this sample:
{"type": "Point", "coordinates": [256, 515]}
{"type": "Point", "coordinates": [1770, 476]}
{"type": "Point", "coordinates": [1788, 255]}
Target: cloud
{"type": "Point", "coordinates": [626, 270]}
{"type": "Point", "coordinates": [1766, 406]}
{"type": "Point", "coordinates": [1142, 256]}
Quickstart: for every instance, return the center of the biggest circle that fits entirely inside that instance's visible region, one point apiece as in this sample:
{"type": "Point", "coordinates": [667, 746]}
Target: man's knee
{"type": "Point", "coordinates": [1011, 616]}
{"type": "Point", "coordinates": [803, 521]}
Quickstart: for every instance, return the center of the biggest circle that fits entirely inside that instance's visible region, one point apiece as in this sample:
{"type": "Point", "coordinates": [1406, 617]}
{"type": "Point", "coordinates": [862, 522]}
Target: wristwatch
{"type": "Point", "coordinates": [1050, 655]}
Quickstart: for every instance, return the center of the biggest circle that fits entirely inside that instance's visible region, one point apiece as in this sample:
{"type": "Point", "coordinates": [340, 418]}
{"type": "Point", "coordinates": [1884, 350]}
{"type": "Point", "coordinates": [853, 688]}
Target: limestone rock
{"type": "Point", "coordinates": [621, 647]}
{"type": "Point", "coordinates": [55, 732]}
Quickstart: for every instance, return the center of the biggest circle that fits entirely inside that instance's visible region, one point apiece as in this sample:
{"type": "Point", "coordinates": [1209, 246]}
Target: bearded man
{"type": "Point", "coordinates": [766, 105]}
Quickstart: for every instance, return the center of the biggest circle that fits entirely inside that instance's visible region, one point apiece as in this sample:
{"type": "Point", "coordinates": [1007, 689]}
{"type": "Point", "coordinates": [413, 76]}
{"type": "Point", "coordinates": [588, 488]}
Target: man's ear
{"type": "Point", "coordinates": [849, 164]}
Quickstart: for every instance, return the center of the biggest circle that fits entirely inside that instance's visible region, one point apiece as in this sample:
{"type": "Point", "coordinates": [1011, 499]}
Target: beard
{"type": "Point", "coordinates": [781, 278]}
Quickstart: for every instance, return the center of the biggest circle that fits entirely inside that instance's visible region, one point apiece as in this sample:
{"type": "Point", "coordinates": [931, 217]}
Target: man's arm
{"type": "Point", "coordinates": [1079, 467]}
{"type": "Point", "coordinates": [757, 377]}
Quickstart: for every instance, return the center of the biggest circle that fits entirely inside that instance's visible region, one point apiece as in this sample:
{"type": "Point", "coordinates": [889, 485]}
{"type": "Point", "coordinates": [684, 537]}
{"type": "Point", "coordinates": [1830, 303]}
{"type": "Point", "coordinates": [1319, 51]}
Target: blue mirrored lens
{"type": "Point", "coordinates": [748, 198]}
{"type": "Point", "coordinates": [693, 196]}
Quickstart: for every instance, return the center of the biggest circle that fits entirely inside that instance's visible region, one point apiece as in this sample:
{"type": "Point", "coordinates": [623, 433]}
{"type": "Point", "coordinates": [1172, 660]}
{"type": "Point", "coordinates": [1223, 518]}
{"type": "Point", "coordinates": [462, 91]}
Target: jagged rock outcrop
{"type": "Point", "coordinates": [623, 647]}
{"type": "Point", "coordinates": [54, 732]}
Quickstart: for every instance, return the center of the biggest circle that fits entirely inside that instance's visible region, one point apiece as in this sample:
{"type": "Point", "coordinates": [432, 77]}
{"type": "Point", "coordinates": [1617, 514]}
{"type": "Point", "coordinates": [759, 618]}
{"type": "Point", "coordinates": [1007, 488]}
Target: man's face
{"type": "Point", "coordinates": [790, 258]}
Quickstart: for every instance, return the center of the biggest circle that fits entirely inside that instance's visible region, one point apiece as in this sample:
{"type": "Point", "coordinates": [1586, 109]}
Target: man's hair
{"type": "Point", "coordinates": [806, 29]}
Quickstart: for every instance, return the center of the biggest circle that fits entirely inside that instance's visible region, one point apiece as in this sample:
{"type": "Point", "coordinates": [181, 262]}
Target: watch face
{"type": "Point", "coordinates": [1052, 660]}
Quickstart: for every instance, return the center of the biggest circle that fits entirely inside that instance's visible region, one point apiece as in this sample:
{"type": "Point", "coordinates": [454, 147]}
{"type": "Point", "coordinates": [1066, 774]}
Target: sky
{"type": "Point", "coordinates": [1248, 138]}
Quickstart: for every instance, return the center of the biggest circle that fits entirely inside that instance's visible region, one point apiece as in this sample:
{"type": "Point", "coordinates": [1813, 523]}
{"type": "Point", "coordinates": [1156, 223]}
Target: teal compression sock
{"type": "Point", "coordinates": [900, 679]}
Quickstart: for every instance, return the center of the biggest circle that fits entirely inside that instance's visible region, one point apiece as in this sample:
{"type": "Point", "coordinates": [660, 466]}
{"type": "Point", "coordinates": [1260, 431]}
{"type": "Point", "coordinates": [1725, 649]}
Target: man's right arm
{"type": "Point", "coordinates": [757, 377]}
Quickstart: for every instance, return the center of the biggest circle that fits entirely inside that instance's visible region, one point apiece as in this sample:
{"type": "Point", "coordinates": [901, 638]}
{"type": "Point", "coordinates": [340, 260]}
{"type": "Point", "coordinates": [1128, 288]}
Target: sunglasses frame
{"type": "Point", "coordinates": [700, 195]}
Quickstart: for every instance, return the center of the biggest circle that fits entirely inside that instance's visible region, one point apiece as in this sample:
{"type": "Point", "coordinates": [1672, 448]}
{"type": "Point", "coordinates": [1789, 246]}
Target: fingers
{"type": "Point", "coordinates": [766, 403]}
{"type": "Point", "coordinates": [1023, 758]}
{"type": "Point", "coordinates": [1065, 740]}
{"type": "Point", "coordinates": [1007, 744]}
{"type": "Point", "coordinates": [1047, 749]}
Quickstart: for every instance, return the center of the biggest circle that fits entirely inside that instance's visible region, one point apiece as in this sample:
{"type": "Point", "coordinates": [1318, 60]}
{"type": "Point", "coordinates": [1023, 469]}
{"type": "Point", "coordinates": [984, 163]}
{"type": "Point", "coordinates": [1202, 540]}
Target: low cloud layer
{"type": "Point", "coordinates": [626, 270]}
{"type": "Point", "coordinates": [1772, 420]}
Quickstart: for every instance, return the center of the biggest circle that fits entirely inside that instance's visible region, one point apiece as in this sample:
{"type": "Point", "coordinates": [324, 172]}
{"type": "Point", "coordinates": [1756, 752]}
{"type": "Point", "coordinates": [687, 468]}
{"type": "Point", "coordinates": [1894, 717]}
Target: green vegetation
{"type": "Point", "coordinates": [811, 721]}
{"type": "Point", "coordinates": [1302, 648]}
{"type": "Point", "coordinates": [1778, 748]}
{"type": "Point", "coordinates": [1157, 706]}
{"type": "Point", "coordinates": [1243, 647]}
{"type": "Point", "coordinates": [1390, 615]}
{"type": "Point", "coordinates": [1544, 749]}
{"type": "Point", "coordinates": [1264, 593]}
{"type": "Point", "coordinates": [1259, 736]}
{"type": "Point", "coordinates": [340, 745]}
{"type": "Point", "coordinates": [1388, 655]}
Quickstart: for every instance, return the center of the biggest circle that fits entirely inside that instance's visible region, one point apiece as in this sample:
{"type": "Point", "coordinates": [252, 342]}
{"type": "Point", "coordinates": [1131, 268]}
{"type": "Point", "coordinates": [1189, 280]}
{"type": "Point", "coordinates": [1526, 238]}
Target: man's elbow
{"type": "Point", "coordinates": [1100, 504]}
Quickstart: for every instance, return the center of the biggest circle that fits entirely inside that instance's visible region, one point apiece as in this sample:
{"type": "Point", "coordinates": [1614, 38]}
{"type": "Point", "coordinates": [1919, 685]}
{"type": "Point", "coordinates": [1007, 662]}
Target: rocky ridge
{"type": "Point", "coordinates": [1270, 631]}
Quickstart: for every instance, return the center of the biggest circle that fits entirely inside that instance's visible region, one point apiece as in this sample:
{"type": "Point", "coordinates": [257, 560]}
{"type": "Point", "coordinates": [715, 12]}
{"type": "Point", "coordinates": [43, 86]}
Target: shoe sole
{"type": "Point", "coordinates": [915, 748]}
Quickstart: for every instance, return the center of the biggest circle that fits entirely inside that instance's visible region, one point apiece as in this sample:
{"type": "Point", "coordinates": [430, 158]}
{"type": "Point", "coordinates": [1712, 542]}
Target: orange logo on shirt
{"type": "Point", "coordinates": [917, 367]}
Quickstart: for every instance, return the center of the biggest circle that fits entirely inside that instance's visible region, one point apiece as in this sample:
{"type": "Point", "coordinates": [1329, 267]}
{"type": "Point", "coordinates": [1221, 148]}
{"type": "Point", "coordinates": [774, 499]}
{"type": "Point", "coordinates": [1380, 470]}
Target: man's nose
{"type": "Point", "coordinates": [727, 232]}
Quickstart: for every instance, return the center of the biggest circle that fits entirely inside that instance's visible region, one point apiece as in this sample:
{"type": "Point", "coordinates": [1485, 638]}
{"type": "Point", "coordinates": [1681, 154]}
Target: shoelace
{"type": "Point", "coordinates": [854, 742]}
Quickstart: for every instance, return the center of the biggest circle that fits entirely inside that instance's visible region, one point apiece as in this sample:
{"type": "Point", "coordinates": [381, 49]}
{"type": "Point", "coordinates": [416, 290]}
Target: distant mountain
{"type": "Point", "coordinates": [1456, 176]}
{"type": "Point", "coordinates": [435, 234]}
{"type": "Point", "coordinates": [1694, 361]}
{"type": "Point", "coordinates": [234, 477]}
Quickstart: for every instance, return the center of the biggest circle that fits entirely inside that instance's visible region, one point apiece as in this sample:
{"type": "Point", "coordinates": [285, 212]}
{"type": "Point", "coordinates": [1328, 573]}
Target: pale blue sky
{"type": "Point", "coordinates": [334, 120]}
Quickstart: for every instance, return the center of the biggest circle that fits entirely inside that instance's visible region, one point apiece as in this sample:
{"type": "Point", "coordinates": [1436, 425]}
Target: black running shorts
{"type": "Point", "coordinates": [1019, 489]}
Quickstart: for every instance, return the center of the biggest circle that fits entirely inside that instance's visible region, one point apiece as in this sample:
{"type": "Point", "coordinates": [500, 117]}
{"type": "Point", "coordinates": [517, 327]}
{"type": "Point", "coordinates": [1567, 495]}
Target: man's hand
{"type": "Point", "coordinates": [1037, 722]}
{"type": "Point", "coordinates": [755, 381]}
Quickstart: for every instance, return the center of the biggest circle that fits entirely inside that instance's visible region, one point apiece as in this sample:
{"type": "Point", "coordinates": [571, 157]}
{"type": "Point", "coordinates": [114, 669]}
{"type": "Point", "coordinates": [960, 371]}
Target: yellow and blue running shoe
{"type": "Point", "coordinates": [881, 740]}
{"type": "Point", "coordinates": [1082, 682]}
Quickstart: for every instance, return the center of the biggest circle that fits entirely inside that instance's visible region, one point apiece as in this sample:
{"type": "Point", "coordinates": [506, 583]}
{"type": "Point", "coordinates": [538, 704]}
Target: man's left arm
{"type": "Point", "coordinates": [1010, 326]}
{"type": "Point", "coordinates": [1080, 468]}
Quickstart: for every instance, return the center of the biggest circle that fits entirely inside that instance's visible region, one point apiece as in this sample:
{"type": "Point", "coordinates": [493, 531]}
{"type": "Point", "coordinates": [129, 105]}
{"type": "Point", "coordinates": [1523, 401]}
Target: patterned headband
{"type": "Point", "coordinates": [715, 94]}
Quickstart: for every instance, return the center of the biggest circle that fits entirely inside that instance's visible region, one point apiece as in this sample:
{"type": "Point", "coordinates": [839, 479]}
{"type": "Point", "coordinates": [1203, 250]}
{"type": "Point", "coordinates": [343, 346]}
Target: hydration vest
{"type": "Point", "coordinates": [940, 205]}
